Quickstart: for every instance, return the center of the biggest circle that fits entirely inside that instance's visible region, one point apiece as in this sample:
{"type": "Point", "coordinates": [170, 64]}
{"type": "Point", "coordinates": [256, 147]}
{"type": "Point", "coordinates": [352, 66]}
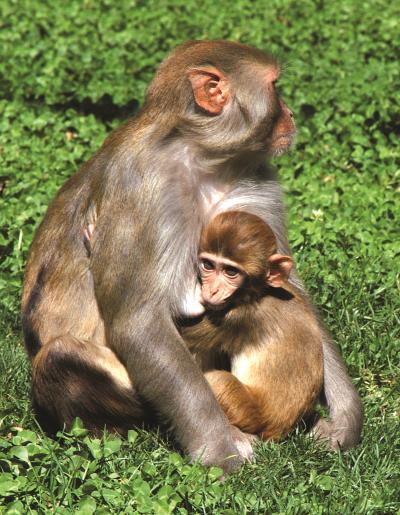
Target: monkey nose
{"type": "Point", "coordinates": [214, 297]}
{"type": "Point", "coordinates": [216, 294]}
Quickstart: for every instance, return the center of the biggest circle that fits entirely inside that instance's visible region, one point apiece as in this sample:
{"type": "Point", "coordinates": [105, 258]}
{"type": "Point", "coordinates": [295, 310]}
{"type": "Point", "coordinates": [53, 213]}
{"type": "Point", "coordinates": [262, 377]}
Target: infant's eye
{"type": "Point", "coordinates": [207, 265]}
{"type": "Point", "coordinates": [231, 271]}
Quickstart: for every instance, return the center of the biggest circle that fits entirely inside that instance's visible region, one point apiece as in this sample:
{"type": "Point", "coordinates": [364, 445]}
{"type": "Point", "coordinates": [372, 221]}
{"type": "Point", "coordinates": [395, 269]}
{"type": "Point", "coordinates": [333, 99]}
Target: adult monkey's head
{"type": "Point", "coordinates": [223, 94]}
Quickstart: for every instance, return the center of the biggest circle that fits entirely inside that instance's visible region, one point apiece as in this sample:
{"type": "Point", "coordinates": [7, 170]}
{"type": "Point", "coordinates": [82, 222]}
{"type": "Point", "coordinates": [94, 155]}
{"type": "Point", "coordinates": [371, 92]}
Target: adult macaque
{"type": "Point", "coordinates": [265, 326]}
{"type": "Point", "coordinates": [91, 321]}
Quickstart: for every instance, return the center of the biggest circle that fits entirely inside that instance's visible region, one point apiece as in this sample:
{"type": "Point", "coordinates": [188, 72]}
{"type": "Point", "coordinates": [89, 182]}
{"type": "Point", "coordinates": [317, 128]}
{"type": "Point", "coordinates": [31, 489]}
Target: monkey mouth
{"type": "Point", "coordinates": [282, 143]}
{"type": "Point", "coordinates": [216, 307]}
{"type": "Point", "coordinates": [285, 140]}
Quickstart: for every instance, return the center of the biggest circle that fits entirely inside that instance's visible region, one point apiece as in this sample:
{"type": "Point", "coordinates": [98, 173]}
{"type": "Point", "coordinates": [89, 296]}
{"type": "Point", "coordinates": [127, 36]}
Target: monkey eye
{"type": "Point", "coordinates": [207, 265]}
{"type": "Point", "coordinates": [231, 271]}
{"type": "Point", "coordinates": [212, 84]}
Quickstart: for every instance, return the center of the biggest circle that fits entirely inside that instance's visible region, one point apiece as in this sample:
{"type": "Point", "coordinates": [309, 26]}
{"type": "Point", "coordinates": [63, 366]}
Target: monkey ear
{"type": "Point", "coordinates": [279, 270]}
{"type": "Point", "coordinates": [210, 88]}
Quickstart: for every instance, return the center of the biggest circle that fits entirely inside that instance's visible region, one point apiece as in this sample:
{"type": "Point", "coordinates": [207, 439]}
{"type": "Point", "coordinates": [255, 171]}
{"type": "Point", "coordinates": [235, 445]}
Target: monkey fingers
{"type": "Point", "coordinates": [244, 442]}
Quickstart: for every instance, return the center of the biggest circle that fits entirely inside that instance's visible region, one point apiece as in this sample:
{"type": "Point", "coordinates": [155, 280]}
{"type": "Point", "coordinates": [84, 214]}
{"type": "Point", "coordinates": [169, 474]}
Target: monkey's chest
{"type": "Point", "coordinates": [211, 192]}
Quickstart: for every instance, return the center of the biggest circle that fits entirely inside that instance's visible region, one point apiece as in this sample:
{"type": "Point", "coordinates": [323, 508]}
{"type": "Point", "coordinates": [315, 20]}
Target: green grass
{"type": "Point", "coordinates": [69, 73]}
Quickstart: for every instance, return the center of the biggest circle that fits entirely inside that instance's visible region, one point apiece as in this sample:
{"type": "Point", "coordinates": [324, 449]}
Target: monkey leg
{"type": "Point", "coordinates": [71, 378]}
{"type": "Point", "coordinates": [237, 400]}
{"type": "Point", "coordinates": [248, 407]}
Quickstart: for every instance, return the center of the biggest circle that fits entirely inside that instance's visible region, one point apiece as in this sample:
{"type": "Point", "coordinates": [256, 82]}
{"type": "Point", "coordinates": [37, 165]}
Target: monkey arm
{"type": "Point", "coordinates": [141, 331]}
{"type": "Point", "coordinates": [164, 373]}
{"type": "Point", "coordinates": [171, 381]}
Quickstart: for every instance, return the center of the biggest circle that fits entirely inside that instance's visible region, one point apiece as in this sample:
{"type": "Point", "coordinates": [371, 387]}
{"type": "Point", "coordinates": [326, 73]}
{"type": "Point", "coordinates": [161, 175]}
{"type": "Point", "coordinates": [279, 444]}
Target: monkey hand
{"type": "Point", "coordinates": [228, 455]}
{"type": "Point", "coordinates": [244, 442]}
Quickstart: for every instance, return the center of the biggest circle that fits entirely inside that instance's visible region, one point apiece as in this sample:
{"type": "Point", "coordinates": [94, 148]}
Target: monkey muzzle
{"type": "Point", "coordinates": [216, 302]}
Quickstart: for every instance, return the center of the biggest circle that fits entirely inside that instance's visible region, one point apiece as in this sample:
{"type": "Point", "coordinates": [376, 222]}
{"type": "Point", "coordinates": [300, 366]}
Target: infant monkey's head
{"type": "Point", "coordinates": [238, 250]}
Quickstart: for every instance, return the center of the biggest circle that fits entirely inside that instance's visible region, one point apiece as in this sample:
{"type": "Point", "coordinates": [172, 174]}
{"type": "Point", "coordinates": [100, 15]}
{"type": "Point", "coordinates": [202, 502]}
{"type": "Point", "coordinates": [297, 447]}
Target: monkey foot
{"type": "Point", "coordinates": [335, 437]}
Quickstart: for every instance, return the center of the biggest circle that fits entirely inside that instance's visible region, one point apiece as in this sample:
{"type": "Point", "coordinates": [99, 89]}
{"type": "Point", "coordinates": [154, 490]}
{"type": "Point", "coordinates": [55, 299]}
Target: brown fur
{"type": "Point", "coordinates": [123, 290]}
{"type": "Point", "coordinates": [271, 336]}
{"type": "Point", "coordinates": [249, 244]}
{"type": "Point", "coordinates": [87, 381]}
{"type": "Point", "coordinates": [147, 190]}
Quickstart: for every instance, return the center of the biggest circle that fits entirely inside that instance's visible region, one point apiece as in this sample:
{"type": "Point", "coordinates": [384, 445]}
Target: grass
{"type": "Point", "coordinates": [71, 73]}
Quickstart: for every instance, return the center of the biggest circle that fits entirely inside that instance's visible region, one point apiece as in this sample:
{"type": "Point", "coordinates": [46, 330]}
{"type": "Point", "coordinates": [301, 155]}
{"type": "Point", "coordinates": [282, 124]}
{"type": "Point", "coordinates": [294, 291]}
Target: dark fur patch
{"type": "Point", "coordinates": [31, 337]}
{"type": "Point", "coordinates": [68, 386]}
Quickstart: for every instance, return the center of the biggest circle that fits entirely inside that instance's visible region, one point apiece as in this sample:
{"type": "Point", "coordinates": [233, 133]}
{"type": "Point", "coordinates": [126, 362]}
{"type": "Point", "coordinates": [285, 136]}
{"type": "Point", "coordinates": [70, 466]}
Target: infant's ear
{"type": "Point", "coordinates": [280, 267]}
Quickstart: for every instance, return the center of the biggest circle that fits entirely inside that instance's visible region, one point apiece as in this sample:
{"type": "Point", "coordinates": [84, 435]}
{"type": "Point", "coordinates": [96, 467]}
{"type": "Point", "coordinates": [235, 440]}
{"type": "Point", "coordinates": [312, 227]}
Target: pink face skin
{"type": "Point", "coordinates": [220, 279]}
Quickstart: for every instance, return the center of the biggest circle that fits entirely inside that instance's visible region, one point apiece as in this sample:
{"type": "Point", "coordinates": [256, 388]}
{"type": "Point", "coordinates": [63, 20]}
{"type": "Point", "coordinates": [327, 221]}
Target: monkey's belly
{"type": "Point", "coordinates": [282, 378]}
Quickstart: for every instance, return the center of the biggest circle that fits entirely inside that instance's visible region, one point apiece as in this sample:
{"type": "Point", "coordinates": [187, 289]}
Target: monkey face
{"type": "Point", "coordinates": [284, 132]}
{"type": "Point", "coordinates": [220, 278]}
